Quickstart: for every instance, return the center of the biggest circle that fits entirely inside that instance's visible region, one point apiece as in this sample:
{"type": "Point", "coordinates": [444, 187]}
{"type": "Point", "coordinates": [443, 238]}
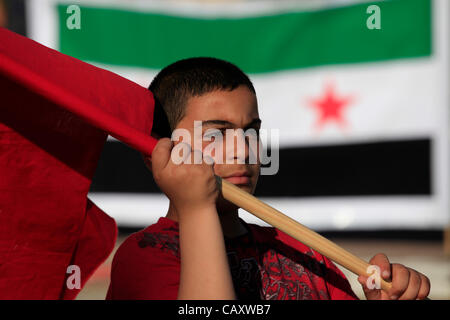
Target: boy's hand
{"type": "Point", "coordinates": [192, 190]}
{"type": "Point", "coordinates": [407, 283]}
{"type": "Point", "coordinates": [189, 187]}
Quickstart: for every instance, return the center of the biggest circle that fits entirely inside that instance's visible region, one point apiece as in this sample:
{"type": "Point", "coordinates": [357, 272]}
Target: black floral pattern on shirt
{"type": "Point", "coordinates": [165, 242]}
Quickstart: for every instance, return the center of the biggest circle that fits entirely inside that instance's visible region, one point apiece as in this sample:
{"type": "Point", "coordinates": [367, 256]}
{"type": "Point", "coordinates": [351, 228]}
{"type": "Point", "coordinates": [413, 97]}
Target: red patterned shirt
{"type": "Point", "coordinates": [265, 264]}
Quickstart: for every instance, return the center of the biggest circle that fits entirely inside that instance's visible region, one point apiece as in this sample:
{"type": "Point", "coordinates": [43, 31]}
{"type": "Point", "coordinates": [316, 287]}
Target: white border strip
{"type": "Point", "coordinates": [349, 213]}
{"type": "Point", "coordinates": [215, 9]}
{"type": "Point", "coordinates": [42, 22]}
{"type": "Point", "coordinates": [42, 16]}
{"type": "Point", "coordinates": [441, 150]}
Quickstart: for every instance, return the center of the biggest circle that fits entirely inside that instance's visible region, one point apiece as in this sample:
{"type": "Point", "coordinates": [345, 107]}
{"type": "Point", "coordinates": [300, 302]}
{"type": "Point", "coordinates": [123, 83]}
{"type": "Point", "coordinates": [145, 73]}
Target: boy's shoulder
{"type": "Point", "coordinates": [162, 235]}
{"type": "Point", "coordinates": [144, 262]}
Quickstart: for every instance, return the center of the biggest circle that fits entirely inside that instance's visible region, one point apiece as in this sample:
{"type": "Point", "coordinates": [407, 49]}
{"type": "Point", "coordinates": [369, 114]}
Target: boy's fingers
{"type": "Point", "coordinates": [413, 286]}
{"type": "Point", "coordinates": [382, 261]}
{"type": "Point", "coordinates": [363, 281]}
{"type": "Point", "coordinates": [187, 151]}
{"type": "Point", "coordinates": [400, 280]}
{"type": "Point", "coordinates": [196, 157]}
{"type": "Point", "coordinates": [370, 290]}
{"type": "Point", "coordinates": [180, 153]}
{"type": "Point", "coordinates": [161, 154]}
{"type": "Point", "coordinates": [204, 161]}
{"type": "Point", "coordinates": [425, 286]}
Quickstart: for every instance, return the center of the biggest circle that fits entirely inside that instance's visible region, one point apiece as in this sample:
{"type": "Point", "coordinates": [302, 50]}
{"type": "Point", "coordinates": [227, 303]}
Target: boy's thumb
{"type": "Point", "coordinates": [161, 154]}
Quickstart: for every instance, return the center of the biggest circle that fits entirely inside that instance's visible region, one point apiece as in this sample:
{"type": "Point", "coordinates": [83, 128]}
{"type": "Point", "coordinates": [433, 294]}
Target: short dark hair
{"type": "Point", "coordinates": [181, 80]}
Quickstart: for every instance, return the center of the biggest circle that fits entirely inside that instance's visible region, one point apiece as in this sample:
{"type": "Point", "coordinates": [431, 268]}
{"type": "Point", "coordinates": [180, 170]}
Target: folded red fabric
{"type": "Point", "coordinates": [55, 115]}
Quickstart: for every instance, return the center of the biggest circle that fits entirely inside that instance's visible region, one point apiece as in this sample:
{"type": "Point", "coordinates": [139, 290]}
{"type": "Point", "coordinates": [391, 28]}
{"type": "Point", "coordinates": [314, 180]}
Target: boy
{"type": "Point", "coordinates": [201, 249]}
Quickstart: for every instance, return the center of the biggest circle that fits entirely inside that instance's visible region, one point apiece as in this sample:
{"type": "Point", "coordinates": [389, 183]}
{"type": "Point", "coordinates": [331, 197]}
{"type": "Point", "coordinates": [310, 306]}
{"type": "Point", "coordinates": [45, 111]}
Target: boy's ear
{"type": "Point", "coordinates": [161, 126]}
{"type": "Point", "coordinates": [147, 161]}
{"type": "Point", "coordinates": [160, 129]}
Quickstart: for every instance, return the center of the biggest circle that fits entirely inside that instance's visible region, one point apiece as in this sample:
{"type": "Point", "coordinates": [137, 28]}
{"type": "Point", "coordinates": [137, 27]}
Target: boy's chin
{"type": "Point", "coordinates": [224, 205]}
{"type": "Point", "coordinates": [245, 187]}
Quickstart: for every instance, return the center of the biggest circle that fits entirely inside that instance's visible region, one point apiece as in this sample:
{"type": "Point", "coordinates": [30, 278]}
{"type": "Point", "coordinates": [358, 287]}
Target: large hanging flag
{"type": "Point", "coordinates": [55, 114]}
{"type": "Point", "coordinates": [358, 92]}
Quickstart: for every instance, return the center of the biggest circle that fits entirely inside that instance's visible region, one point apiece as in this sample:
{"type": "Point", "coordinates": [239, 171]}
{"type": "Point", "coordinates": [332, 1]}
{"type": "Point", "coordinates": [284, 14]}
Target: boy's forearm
{"type": "Point", "coordinates": [205, 273]}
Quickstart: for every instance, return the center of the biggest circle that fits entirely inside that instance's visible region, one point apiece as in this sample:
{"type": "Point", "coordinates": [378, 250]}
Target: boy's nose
{"type": "Point", "coordinates": [237, 150]}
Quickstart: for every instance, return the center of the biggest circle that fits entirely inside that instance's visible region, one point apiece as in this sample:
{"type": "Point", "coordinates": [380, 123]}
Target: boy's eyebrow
{"type": "Point", "coordinates": [255, 121]}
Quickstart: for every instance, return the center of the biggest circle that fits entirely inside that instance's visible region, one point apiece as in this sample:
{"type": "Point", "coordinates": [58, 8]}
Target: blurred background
{"type": "Point", "coordinates": [358, 94]}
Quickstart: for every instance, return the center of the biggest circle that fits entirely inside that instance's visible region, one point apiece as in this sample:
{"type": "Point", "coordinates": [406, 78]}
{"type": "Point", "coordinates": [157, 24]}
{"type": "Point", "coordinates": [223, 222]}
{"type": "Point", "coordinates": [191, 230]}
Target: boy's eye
{"type": "Point", "coordinates": [214, 133]}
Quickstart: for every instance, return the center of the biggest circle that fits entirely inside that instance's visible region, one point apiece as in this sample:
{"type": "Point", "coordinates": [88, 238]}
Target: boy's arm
{"type": "Point", "coordinates": [193, 191]}
{"type": "Point", "coordinates": [205, 273]}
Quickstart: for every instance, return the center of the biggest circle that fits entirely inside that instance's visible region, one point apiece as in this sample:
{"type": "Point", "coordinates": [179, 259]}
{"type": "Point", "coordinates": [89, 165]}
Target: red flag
{"type": "Point", "coordinates": [55, 115]}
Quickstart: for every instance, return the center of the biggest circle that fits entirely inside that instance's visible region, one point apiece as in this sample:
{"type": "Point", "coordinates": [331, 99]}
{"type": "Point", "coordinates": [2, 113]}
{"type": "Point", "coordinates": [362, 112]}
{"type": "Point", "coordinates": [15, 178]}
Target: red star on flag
{"type": "Point", "coordinates": [330, 107]}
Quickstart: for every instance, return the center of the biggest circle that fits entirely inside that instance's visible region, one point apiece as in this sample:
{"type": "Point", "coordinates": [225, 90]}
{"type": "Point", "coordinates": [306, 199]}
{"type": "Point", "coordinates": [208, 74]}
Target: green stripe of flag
{"type": "Point", "coordinates": [256, 44]}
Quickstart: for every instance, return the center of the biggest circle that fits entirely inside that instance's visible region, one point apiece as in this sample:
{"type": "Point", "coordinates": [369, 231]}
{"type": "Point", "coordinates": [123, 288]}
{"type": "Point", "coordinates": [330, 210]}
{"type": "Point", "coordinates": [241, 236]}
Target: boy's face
{"type": "Point", "coordinates": [221, 110]}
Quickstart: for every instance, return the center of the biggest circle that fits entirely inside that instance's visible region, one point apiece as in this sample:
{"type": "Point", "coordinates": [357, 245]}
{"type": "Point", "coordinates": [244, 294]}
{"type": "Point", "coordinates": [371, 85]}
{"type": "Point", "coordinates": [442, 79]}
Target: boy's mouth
{"type": "Point", "coordinates": [239, 178]}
